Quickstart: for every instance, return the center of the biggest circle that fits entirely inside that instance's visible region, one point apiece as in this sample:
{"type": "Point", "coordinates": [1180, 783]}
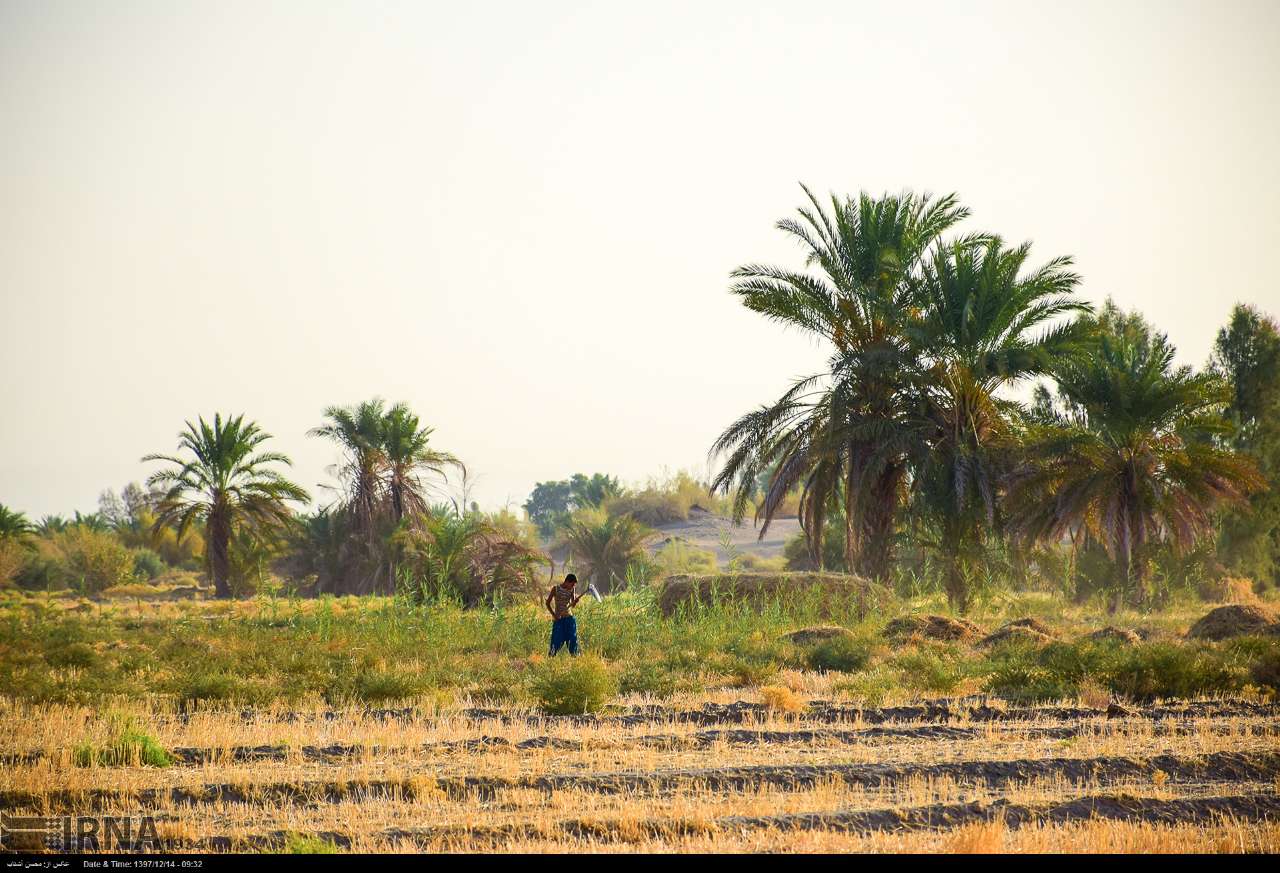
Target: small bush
{"type": "Point", "coordinates": [1173, 670]}
{"type": "Point", "coordinates": [207, 687]}
{"type": "Point", "coordinates": [842, 654]}
{"type": "Point", "coordinates": [307, 844]}
{"type": "Point", "coordinates": [1266, 671]}
{"type": "Point", "coordinates": [380, 686]}
{"type": "Point", "coordinates": [871, 688]}
{"type": "Point", "coordinates": [148, 565]}
{"type": "Point", "coordinates": [128, 747]}
{"type": "Point", "coordinates": [750, 671]}
{"type": "Point", "coordinates": [12, 556]}
{"type": "Point", "coordinates": [78, 655]}
{"type": "Point", "coordinates": [678, 556]}
{"type": "Point", "coordinates": [928, 670]}
{"type": "Point", "coordinates": [573, 686]}
{"type": "Point", "coordinates": [777, 698]}
{"type": "Point", "coordinates": [1028, 681]}
{"type": "Point", "coordinates": [648, 679]}
{"type": "Point", "coordinates": [93, 561]}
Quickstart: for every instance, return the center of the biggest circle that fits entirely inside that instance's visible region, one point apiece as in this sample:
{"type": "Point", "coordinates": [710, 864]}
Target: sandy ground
{"type": "Point", "coordinates": [705, 530]}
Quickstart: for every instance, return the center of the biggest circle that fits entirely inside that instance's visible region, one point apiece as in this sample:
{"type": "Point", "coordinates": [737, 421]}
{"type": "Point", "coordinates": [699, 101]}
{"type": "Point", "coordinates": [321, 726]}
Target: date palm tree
{"type": "Point", "coordinates": [1132, 460]}
{"type": "Point", "coordinates": [408, 458]}
{"type": "Point", "coordinates": [987, 324]}
{"type": "Point", "coordinates": [13, 524]}
{"type": "Point", "coordinates": [358, 431]}
{"type": "Point", "coordinates": [225, 482]}
{"type": "Point", "coordinates": [857, 294]}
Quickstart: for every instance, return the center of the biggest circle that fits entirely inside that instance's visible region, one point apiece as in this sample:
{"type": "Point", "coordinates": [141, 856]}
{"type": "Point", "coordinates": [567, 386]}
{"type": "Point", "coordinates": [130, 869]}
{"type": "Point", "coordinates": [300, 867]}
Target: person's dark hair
{"type": "Point", "coordinates": [571, 578]}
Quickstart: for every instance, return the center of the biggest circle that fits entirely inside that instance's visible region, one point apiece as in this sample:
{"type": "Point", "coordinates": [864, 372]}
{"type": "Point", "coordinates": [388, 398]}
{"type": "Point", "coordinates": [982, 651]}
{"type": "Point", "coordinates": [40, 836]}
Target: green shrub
{"type": "Point", "coordinates": [870, 688]}
{"type": "Point", "coordinates": [208, 687]}
{"type": "Point", "coordinates": [1266, 671]}
{"type": "Point", "coordinates": [386, 685]}
{"type": "Point", "coordinates": [928, 670]}
{"type": "Point", "coordinates": [573, 686]}
{"type": "Point", "coordinates": [129, 746]}
{"type": "Point", "coordinates": [148, 565]}
{"type": "Point", "coordinates": [751, 671]}
{"type": "Point", "coordinates": [307, 844]}
{"type": "Point", "coordinates": [842, 654]}
{"type": "Point", "coordinates": [79, 655]}
{"type": "Point", "coordinates": [13, 555]}
{"type": "Point", "coordinates": [1030, 682]}
{"type": "Point", "coordinates": [1173, 670]}
{"type": "Point", "coordinates": [678, 556]}
{"type": "Point", "coordinates": [92, 560]}
{"type": "Point", "coordinates": [648, 679]}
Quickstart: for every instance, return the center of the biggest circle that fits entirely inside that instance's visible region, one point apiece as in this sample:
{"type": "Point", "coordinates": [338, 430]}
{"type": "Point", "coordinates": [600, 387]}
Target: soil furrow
{"type": "Point", "coordinates": [1110, 807]}
{"type": "Point", "coordinates": [1234, 767]}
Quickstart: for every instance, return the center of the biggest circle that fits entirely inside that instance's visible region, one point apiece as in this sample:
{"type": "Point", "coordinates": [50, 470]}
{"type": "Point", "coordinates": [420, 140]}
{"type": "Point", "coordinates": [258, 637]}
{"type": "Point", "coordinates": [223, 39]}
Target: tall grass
{"type": "Point", "coordinates": [381, 651]}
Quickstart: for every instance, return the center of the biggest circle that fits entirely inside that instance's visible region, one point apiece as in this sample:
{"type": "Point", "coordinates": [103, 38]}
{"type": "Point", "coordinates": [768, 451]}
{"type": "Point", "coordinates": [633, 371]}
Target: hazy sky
{"type": "Point", "coordinates": [520, 217]}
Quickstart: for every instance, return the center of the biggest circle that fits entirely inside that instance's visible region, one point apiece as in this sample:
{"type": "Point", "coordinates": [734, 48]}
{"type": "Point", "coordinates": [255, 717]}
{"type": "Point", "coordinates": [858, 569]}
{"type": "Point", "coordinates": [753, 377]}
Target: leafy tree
{"type": "Point", "coordinates": [226, 483]}
{"type": "Point", "coordinates": [593, 491]}
{"type": "Point", "coordinates": [1134, 463]}
{"type": "Point", "coordinates": [1247, 355]}
{"type": "Point", "coordinates": [111, 509]}
{"type": "Point", "coordinates": [550, 503]}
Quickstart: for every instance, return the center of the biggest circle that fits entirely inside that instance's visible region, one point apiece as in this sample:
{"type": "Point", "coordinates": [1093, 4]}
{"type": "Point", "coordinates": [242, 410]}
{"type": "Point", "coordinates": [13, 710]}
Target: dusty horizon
{"type": "Point", "coordinates": [521, 221]}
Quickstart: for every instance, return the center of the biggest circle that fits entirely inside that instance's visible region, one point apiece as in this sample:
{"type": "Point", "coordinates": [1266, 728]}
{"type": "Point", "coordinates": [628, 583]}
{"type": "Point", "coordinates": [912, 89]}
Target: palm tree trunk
{"type": "Point", "coordinates": [850, 540]}
{"type": "Point", "coordinates": [219, 553]}
{"type": "Point", "coordinates": [816, 551]}
{"type": "Point", "coordinates": [953, 576]}
{"type": "Point", "coordinates": [879, 515]}
{"type": "Point", "coordinates": [1122, 570]}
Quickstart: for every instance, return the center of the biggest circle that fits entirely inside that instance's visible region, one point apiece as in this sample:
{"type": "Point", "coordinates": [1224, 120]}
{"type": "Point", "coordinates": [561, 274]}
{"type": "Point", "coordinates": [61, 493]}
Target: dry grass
{"type": "Point", "coordinates": [383, 796]}
{"type": "Point", "coordinates": [793, 763]}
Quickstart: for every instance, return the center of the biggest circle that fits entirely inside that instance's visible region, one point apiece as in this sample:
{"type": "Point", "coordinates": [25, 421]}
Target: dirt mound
{"type": "Point", "coordinates": [1111, 633]}
{"type": "Point", "coordinates": [828, 591]}
{"type": "Point", "coordinates": [1235, 620]}
{"type": "Point", "coordinates": [1031, 630]}
{"type": "Point", "coordinates": [1030, 623]}
{"type": "Point", "coordinates": [1016, 633]}
{"type": "Point", "coordinates": [808, 636]}
{"type": "Point", "coordinates": [932, 627]}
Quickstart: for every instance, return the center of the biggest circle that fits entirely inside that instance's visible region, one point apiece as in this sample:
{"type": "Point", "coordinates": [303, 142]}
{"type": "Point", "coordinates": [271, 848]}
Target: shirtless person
{"type": "Point", "coordinates": [564, 627]}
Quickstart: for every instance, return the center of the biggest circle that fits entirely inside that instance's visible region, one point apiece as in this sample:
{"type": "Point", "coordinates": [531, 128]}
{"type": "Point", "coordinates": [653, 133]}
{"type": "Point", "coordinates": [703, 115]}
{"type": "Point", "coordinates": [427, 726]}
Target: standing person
{"type": "Point", "coordinates": [564, 627]}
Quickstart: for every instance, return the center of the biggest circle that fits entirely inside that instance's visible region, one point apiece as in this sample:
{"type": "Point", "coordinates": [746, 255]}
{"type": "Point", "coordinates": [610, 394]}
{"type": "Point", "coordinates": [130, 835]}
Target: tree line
{"type": "Point", "coordinates": [912, 439]}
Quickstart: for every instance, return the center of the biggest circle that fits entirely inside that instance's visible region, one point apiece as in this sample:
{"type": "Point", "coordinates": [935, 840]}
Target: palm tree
{"type": "Point", "coordinates": [1131, 461]}
{"type": "Point", "coordinates": [824, 435]}
{"type": "Point", "coordinates": [606, 546]}
{"type": "Point", "coordinates": [408, 456]}
{"type": "Point", "coordinates": [358, 430]}
{"type": "Point", "coordinates": [226, 484]}
{"type": "Point", "coordinates": [13, 524]}
{"type": "Point", "coordinates": [985, 326]}
{"type": "Point", "coordinates": [50, 524]}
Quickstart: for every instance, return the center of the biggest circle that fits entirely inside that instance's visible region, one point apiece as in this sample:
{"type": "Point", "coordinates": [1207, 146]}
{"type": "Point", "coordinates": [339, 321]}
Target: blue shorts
{"type": "Point", "coordinates": [564, 632]}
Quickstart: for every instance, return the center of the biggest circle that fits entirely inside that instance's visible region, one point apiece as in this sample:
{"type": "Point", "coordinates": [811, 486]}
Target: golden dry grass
{"type": "Point", "coordinates": [383, 795]}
